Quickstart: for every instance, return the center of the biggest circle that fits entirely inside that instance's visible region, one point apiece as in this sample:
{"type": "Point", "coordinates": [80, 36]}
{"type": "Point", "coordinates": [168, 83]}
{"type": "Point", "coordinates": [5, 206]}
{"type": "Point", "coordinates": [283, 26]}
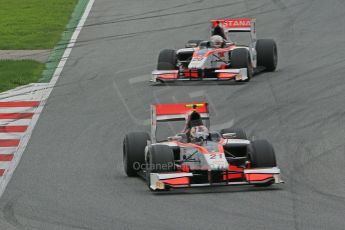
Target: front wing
{"type": "Point", "coordinates": [162, 181]}
{"type": "Point", "coordinates": [190, 75]}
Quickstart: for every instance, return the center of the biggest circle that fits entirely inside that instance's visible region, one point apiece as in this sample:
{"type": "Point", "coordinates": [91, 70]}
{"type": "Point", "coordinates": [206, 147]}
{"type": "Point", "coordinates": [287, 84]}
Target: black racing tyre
{"type": "Point", "coordinates": [240, 58]}
{"type": "Point", "coordinates": [262, 154]}
{"type": "Point", "coordinates": [267, 54]}
{"type": "Point", "coordinates": [160, 158]}
{"type": "Point", "coordinates": [194, 41]}
{"type": "Point", "coordinates": [240, 133]}
{"type": "Point", "coordinates": [167, 60]}
{"type": "Point", "coordinates": [134, 152]}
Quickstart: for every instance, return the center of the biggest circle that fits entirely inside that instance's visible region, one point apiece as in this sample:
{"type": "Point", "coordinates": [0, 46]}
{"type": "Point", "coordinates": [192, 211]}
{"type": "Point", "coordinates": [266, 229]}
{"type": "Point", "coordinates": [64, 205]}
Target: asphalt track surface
{"type": "Point", "coordinates": [71, 175]}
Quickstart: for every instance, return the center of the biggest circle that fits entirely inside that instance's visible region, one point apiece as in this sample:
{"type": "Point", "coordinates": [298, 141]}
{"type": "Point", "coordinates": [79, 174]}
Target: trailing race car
{"type": "Point", "coordinates": [197, 157]}
{"type": "Point", "coordinates": [234, 59]}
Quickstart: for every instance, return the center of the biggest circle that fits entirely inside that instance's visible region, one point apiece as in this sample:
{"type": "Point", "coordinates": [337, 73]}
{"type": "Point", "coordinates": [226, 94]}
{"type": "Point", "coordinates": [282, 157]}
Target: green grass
{"type": "Point", "coordinates": [33, 24]}
{"type": "Point", "coordinates": [17, 73]}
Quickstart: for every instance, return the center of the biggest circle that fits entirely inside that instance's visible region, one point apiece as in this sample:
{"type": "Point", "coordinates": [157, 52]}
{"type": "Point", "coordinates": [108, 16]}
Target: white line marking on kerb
{"type": "Point", "coordinates": [12, 135]}
{"type": "Point", "coordinates": [15, 122]}
{"type": "Point", "coordinates": [44, 96]}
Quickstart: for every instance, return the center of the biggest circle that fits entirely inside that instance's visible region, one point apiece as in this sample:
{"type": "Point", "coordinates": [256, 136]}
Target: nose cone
{"type": "Point", "coordinates": [198, 62]}
{"type": "Point", "coordinates": [216, 161]}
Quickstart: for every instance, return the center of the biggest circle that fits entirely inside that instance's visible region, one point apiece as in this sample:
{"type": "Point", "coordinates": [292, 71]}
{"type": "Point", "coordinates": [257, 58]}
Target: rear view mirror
{"type": "Point", "coordinates": [229, 135]}
{"type": "Point", "coordinates": [191, 45]}
{"type": "Point", "coordinates": [175, 138]}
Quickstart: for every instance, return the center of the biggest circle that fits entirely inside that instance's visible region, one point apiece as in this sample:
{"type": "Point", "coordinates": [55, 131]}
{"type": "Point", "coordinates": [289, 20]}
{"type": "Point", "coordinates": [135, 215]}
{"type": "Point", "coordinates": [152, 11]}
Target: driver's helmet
{"type": "Point", "coordinates": [216, 41]}
{"type": "Point", "coordinates": [199, 134]}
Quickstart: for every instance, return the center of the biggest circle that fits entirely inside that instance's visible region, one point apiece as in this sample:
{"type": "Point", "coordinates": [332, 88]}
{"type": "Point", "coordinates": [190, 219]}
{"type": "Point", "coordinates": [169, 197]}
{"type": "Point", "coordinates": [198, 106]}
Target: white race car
{"type": "Point", "coordinates": [238, 58]}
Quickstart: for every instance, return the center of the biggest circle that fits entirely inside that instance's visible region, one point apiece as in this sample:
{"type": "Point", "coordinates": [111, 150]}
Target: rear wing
{"type": "Point", "coordinates": [236, 25]}
{"type": "Point", "coordinates": [175, 112]}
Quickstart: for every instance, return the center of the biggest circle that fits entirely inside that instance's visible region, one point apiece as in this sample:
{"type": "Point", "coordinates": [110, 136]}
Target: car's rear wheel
{"type": "Point", "coordinates": [159, 159]}
{"type": "Point", "coordinates": [167, 60]}
{"type": "Point", "coordinates": [267, 54]}
{"type": "Point", "coordinates": [134, 152]}
{"type": "Point", "coordinates": [240, 58]}
{"type": "Point", "coordinates": [239, 133]}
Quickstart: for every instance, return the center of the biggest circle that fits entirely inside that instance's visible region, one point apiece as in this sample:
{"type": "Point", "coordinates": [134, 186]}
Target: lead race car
{"type": "Point", "coordinates": [197, 157]}
{"type": "Point", "coordinates": [236, 59]}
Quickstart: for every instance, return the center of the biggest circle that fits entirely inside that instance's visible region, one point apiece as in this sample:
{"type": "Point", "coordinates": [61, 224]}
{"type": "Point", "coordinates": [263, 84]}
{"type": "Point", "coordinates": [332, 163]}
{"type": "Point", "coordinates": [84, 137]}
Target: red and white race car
{"type": "Point", "coordinates": [200, 159]}
{"type": "Point", "coordinates": [240, 56]}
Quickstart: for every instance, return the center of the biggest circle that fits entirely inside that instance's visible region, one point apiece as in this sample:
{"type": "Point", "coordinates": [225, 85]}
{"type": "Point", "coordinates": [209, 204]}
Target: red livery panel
{"type": "Point", "coordinates": [176, 109]}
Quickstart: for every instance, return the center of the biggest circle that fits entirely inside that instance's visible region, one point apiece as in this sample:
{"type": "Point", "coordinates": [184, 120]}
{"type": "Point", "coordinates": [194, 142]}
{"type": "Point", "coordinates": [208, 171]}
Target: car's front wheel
{"type": "Point", "coordinates": [240, 58]}
{"type": "Point", "coordinates": [134, 152]}
{"type": "Point", "coordinates": [167, 60]}
{"type": "Point", "coordinates": [262, 155]}
{"type": "Point", "coordinates": [159, 159]}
